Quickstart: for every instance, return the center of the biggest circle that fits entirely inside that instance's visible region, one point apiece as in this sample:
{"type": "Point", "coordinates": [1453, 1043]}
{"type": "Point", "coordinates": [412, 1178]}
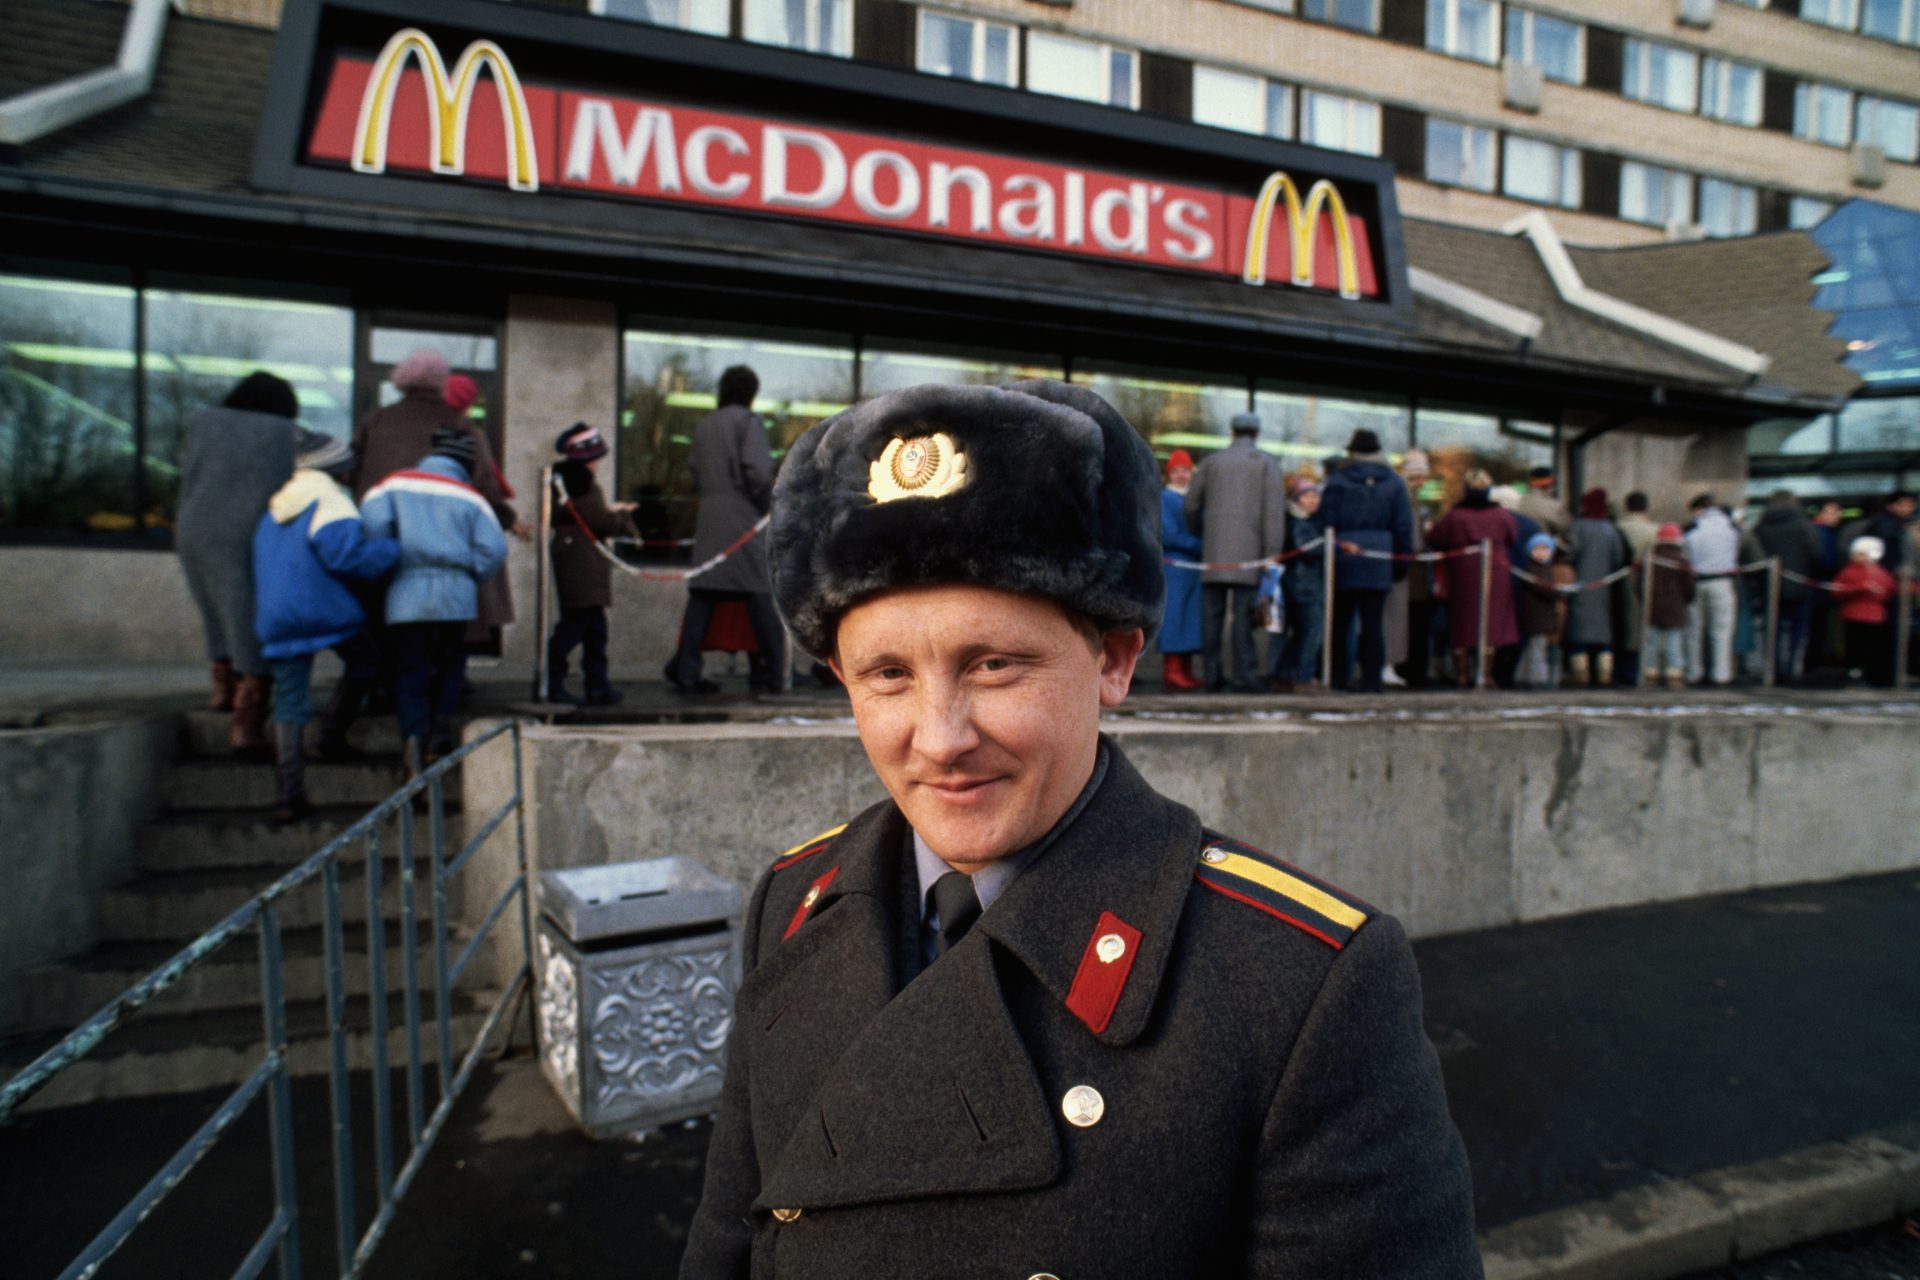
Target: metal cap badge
{"type": "Point", "coordinates": [917, 467]}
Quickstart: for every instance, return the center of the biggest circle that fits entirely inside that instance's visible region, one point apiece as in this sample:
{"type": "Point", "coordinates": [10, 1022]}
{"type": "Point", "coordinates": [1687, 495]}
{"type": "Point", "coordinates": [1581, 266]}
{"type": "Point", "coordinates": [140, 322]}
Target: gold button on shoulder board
{"type": "Point", "coordinates": [1110, 947]}
{"type": "Point", "coordinates": [1083, 1106]}
{"type": "Point", "coordinates": [1215, 854]}
{"type": "Point", "coordinates": [786, 1215]}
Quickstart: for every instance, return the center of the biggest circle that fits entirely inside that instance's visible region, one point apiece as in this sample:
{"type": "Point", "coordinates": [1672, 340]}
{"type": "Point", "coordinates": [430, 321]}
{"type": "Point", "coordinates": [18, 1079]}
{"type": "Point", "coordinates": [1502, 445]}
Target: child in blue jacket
{"type": "Point", "coordinates": [306, 548]}
{"type": "Point", "coordinates": [450, 542]}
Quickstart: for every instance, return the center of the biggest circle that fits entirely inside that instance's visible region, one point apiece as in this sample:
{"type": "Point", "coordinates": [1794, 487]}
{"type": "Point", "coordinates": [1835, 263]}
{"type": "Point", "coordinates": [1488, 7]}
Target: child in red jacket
{"type": "Point", "coordinates": [1863, 590]}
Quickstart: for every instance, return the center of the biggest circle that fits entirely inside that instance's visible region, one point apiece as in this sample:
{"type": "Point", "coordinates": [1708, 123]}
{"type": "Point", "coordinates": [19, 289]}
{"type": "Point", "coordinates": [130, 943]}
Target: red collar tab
{"type": "Point", "coordinates": [1103, 971]}
{"type": "Point", "coordinates": [814, 891]}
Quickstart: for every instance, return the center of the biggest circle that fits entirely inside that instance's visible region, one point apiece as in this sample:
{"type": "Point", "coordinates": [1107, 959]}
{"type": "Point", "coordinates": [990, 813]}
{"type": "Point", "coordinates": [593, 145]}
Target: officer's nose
{"type": "Point", "coordinates": [945, 731]}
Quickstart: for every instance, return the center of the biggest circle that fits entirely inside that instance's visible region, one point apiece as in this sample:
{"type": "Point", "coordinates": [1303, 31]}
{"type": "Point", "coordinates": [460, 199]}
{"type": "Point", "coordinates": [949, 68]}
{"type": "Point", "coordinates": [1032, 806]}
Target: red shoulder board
{"type": "Point", "coordinates": [1262, 881]}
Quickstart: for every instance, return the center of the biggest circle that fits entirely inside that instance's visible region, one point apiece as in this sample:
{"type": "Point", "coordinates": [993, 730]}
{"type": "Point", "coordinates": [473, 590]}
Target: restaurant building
{"type": "Point", "coordinates": [593, 215]}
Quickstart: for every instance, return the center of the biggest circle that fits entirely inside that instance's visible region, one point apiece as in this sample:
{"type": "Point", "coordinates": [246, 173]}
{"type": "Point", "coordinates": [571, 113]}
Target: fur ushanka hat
{"type": "Point", "coordinates": [1039, 487]}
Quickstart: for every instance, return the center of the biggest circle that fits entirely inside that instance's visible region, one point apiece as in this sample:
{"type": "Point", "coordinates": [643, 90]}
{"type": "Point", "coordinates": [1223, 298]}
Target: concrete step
{"type": "Point", "coordinates": [63, 995]}
{"type": "Point", "coordinates": [227, 784]}
{"type": "Point", "coordinates": [178, 906]}
{"type": "Point", "coordinates": [183, 1053]}
{"type": "Point", "coordinates": [194, 839]}
{"type": "Point", "coordinates": [205, 733]}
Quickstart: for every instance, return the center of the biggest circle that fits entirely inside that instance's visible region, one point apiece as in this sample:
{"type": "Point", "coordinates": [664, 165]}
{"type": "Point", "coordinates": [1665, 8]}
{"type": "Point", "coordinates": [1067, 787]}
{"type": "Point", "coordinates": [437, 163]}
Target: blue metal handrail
{"type": "Point", "coordinates": [281, 1237]}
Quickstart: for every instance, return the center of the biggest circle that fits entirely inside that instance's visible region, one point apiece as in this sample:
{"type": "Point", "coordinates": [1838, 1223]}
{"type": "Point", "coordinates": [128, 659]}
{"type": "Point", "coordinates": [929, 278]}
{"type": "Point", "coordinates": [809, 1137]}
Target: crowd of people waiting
{"type": "Point", "coordinates": [1598, 596]}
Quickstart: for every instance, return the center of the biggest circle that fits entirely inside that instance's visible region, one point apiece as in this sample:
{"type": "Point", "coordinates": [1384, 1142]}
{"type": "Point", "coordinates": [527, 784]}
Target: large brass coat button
{"type": "Point", "coordinates": [786, 1215]}
{"type": "Point", "coordinates": [1083, 1106]}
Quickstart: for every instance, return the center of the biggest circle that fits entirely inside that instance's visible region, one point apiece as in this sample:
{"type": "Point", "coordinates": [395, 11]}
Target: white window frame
{"type": "Point", "coordinates": [1260, 85]}
{"type": "Point", "coordinates": [1307, 97]}
{"type": "Point", "coordinates": [980, 27]}
{"type": "Point", "coordinates": [1566, 165]}
{"type": "Point", "coordinates": [1106, 49]}
{"type": "Point", "coordinates": [1865, 104]}
{"type": "Point", "coordinates": [1718, 72]}
{"type": "Point", "coordinates": [1528, 17]}
{"type": "Point", "coordinates": [1806, 111]}
{"type": "Point", "coordinates": [1677, 195]}
{"type": "Point", "coordinates": [810, 39]}
{"type": "Point", "coordinates": [1641, 67]}
{"type": "Point", "coordinates": [1449, 36]}
{"type": "Point", "coordinates": [683, 16]}
{"type": "Point", "coordinates": [1468, 133]}
{"type": "Point", "coordinates": [1751, 204]}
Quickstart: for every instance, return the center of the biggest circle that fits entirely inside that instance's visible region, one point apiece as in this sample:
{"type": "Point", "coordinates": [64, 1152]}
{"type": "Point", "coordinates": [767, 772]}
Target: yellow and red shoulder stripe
{"type": "Point", "coordinates": [807, 848]}
{"type": "Point", "coordinates": [1260, 880]}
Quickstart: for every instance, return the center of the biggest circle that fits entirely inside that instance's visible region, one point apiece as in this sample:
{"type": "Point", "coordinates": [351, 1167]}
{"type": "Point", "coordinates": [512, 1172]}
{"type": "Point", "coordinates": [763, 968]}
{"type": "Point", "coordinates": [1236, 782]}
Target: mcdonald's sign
{"type": "Point", "coordinates": [404, 114]}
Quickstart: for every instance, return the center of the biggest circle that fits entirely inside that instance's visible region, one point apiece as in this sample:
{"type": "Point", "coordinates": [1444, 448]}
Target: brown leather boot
{"type": "Point", "coordinates": [223, 685]}
{"type": "Point", "coordinates": [247, 733]}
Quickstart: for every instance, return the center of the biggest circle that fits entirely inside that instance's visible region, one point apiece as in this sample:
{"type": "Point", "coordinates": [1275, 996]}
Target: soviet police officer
{"type": "Point", "coordinates": [1027, 1017]}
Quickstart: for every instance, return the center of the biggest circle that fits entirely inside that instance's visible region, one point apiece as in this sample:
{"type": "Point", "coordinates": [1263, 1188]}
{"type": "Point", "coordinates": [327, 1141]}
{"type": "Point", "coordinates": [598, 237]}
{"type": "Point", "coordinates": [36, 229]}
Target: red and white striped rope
{"type": "Point", "coordinates": [653, 575]}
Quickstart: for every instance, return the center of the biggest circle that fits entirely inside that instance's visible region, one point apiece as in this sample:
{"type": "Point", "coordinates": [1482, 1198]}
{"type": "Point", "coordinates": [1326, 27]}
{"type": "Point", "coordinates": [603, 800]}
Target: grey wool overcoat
{"type": "Point", "coordinates": [1268, 1104]}
{"type": "Point", "coordinates": [1237, 503]}
{"type": "Point", "coordinates": [732, 467]}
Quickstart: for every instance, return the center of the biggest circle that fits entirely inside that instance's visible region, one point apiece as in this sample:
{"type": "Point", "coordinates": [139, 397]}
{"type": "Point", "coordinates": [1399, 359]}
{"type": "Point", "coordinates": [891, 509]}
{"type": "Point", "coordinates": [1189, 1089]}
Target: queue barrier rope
{"type": "Point", "coordinates": [654, 575]}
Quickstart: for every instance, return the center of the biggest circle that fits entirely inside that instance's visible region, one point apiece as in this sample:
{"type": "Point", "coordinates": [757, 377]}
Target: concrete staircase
{"type": "Point", "coordinates": [209, 852]}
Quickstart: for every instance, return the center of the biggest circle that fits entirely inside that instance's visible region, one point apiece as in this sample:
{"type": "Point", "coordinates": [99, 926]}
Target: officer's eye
{"type": "Point", "coordinates": [995, 664]}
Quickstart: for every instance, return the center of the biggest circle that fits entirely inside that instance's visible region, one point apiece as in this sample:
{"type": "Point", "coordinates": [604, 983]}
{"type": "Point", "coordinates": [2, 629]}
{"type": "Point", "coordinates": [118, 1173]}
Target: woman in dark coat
{"type": "Point", "coordinates": [1597, 549]}
{"type": "Point", "coordinates": [582, 576]}
{"type": "Point", "coordinates": [1180, 635]}
{"type": "Point", "coordinates": [233, 458]}
{"type": "Point", "coordinates": [1475, 520]}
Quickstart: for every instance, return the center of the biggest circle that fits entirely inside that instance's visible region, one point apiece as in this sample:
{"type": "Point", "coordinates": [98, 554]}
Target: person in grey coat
{"type": "Point", "coordinates": [232, 460]}
{"type": "Point", "coordinates": [1597, 549]}
{"type": "Point", "coordinates": [1237, 503]}
{"type": "Point", "coordinates": [732, 468]}
{"type": "Point", "coordinates": [1027, 1017]}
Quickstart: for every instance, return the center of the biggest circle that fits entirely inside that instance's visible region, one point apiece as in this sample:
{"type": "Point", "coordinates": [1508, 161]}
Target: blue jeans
{"type": "Point", "coordinates": [1299, 656]}
{"type": "Point", "coordinates": [1790, 641]}
{"type": "Point", "coordinates": [292, 682]}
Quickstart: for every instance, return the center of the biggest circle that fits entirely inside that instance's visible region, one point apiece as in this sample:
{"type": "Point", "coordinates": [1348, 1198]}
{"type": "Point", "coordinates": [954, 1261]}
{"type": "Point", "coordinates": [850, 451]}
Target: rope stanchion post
{"type": "Point", "coordinates": [1903, 626]}
{"type": "Point", "coordinates": [1486, 605]}
{"type": "Point", "coordinates": [1646, 618]}
{"type": "Point", "coordinates": [540, 585]}
{"type": "Point", "coordinates": [1329, 539]}
{"type": "Point", "coordinates": [1771, 649]}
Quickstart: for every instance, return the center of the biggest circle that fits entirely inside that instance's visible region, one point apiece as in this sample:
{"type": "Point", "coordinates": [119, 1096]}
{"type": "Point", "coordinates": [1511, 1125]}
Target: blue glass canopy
{"type": "Point", "coordinates": [1873, 289]}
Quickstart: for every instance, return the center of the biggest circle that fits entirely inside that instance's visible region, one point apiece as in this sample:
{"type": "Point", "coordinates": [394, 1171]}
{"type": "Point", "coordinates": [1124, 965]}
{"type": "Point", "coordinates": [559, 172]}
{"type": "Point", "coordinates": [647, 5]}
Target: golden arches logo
{"type": "Point", "coordinates": [447, 112]}
{"type": "Point", "coordinates": [1302, 222]}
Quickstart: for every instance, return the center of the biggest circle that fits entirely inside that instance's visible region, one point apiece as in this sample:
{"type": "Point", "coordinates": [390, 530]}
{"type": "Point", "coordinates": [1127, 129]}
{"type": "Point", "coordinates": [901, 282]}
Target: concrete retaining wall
{"type": "Point", "coordinates": [71, 798]}
{"type": "Point", "coordinates": [1450, 824]}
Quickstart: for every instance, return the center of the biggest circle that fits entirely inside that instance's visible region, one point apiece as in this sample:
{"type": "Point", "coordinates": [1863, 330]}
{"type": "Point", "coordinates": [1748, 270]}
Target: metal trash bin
{"type": "Point", "coordinates": [637, 972]}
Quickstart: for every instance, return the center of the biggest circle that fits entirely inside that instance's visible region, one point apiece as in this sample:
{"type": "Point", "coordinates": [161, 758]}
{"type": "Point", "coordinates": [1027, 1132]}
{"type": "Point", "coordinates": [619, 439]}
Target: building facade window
{"type": "Point", "coordinates": [1730, 91]}
{"type": "Point", "coordinates": [1464, 28]}
{"type": "Point", "coordinates": [818, 26]}
{"type": "Point", "coordinates": [1460, 155]}
{"type": "Point", "coordinates": [1089, 70]}
{"type": "Point", "coordinates": [1361, 15]}
{"type": "Point", "coordinates": [1892, 20]}
{"type": "Point", "coordinates": [1894, 127]}
{"type": "Point", "coordinates": [1806, 211]}
{"type": "Point", "coordinates": [1728, 208]}
{"type": "Point", "coordinates": [968, 49]}
{"type": "Point", "coordinates": [1823, 113]}
{"type": "Point", "coordinates": [1541, 171]}
{"type": "Point", "coordinates": [709, 17]}
{"type": "Point", "coordinates": [1554, 45]}
{"type": "Point", "coordinates": [1662, 75]}
{"type": "Point", "coordinates": [1844, 14]}
{"type": "Point", "coordinates": [1340, 123]}
{"type": "Point", "coordinates": [1653, 195]}
{"type": "Point", "coordinates": [1234, 100]}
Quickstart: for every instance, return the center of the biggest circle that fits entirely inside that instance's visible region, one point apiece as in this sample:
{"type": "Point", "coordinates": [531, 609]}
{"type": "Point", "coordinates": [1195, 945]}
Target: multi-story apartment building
{"type": "Point", "coordinates": [1561, 233]}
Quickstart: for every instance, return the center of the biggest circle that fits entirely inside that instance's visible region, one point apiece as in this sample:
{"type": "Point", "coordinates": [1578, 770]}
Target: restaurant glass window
{"type": "Point", "coordinates": [1774, 437]}
{"type": "Point", "coordinates": [1464, 28]}
{"type": "Point", "coordinates": [1894, 127]}
{"type": "Point", "coordinates": [1823, 113]}
{"type": "Point", "coordinates": [1304, 425]}
{"type": "Point", "coordinates": [1541, 171]}
{"type": "Point", "coordinates": [1340, 123]}
{"type": "Point", "coordinates": [1554, 45]}
{"type": "Point", "coordinates": [968, 48]}
{"type": "Point", "coordinates": [1250, 104]}
{"type": "Point", "coordinates": [1085, 69]}
{"type": "Point", "coordinates": [1172, 409]}
{"type": "Point", "coordinates": [1730, 91]}
{"type": "Point", "coordinates": [1844, 14]}
{"type": "Point", "coordinates": [709, 17]}
{"type": "Point", "coordinates": [1892, 20]}
{"type": "Point", "coordinates": [1361, 15]}
{"type": "Point", "coordinates": [1459, 439]}
{"type": "Point", "coordinates": [896, 368]}
{"type": "Point", "coordinates": [669, 380]}
{"type": "Point", "coordinates": [818, 26]}
{"type": "Point", "coordinates": [1653, 195]}
{"type": "Point", "coordinates": [68, 440]}
{"type": "Point", "coordinates": [1728, 208]}
{"type": "Point", "coordinates": [1879, 425]}
{"type": "Point", "coordinates": [1459, 155]}
{"type": "Point", "coordinates": [201, 343]}
{"type": "Point", "coordinates": [1662, 75]}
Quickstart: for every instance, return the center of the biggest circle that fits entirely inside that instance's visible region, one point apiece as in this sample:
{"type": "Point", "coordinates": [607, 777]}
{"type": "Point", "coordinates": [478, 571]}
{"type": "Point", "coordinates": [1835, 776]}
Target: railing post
{"type": "Point", "coordinates": [273, 1011]}
{"type": "Point", "coordinates": [1903, 625]}
{"type": "Point", "coordinates": [442, 984]}
{"type": "Point", "coordinates": [410, 977]}
{"type": "Point", "coordinates": [540, 589]}
{"type": "Point", "coordinates": [1646, 614]}
{"type": "Point", "coordinates": [339, 1094]}
{"type": "Point", "coordinates": [1327, 612]}
{"type": "Point", "coordinates": [1486, 608]}
{"type": "Point", "coordinates": [1772, 649]}
{"type": "Point", "coordinates": [377, 1016]}
{"type": "Point", "coordinates": [526, 887]}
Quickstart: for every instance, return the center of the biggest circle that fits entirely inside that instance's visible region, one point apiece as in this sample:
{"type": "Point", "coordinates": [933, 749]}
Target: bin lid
{"type": "Point", "coordinates": [644, 896]}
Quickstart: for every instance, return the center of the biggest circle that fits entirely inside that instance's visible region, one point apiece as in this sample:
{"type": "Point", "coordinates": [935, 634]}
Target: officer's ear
{"type": "Point", "coordinates": [1119, 654]}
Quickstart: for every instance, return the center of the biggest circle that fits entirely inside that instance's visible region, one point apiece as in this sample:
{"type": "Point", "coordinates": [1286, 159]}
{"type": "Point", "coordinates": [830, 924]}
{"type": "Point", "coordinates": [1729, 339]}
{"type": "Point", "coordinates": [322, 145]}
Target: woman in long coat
{"type": "Point", "coordinates": [1475, 520]}
{"type": "Point", "coordinates": [1180, 635]}
{"type": "Point", "coordinates": [233, 458]}
{"type": "Point", "coordinates": [1596, 550]}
